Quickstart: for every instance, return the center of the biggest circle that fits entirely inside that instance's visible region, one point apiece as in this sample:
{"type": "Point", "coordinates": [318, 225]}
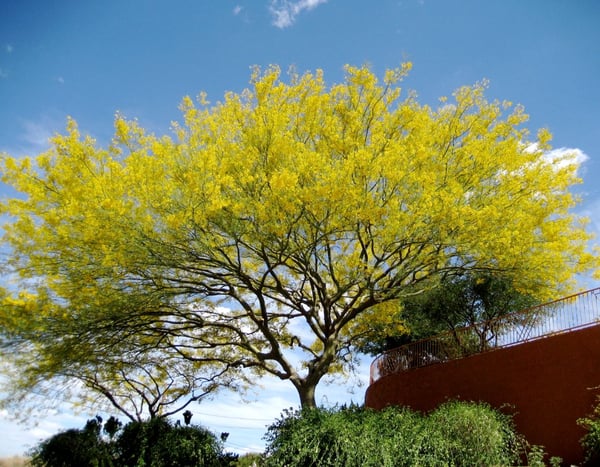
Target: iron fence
{"type": "Point", "coordinates": [563, 315]}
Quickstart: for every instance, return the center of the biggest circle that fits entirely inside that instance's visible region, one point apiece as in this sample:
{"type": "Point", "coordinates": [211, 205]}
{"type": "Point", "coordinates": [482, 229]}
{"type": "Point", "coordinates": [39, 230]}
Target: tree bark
{"type": "Point", "coordinates": [307, 395]}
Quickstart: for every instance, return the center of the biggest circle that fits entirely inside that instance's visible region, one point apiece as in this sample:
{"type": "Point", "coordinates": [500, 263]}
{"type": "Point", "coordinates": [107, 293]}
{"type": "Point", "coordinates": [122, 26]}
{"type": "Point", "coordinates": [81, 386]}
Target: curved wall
{"type": "Point", "coordinates": [547, 384]}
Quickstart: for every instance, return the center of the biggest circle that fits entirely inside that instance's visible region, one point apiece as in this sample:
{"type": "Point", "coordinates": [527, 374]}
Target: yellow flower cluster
{"type": "Point", "coordinates": [291, 185]}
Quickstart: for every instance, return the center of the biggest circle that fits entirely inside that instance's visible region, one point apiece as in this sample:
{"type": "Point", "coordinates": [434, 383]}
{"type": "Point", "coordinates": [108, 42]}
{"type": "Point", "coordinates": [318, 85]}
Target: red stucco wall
{"type": "Point", "coordinates": [548, 384]}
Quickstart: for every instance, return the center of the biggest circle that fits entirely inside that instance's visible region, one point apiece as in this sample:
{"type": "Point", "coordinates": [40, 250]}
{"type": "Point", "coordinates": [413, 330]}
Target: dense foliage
{"type": "Point", "coordinates": [591, 440]}
{"type": "Point", "coordinates": [75, 448]}
{"type": "Point", "coordinates": [475, 299]}
{"type": "Point", "coordinates": [271, 231]}
{"type": "Point", "coordinates": [456, 433]}
{"type": "Point", "coordinates": [153, 443]}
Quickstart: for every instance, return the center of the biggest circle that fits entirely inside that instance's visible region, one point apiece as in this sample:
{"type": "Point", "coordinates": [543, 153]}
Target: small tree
{"type": "Point", "coordinates": [475, 300]}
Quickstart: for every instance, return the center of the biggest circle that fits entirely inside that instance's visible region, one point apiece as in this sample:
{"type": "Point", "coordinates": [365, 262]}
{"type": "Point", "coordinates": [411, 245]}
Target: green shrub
{"type": "Point", "coordinates": [591, 440]}
{"type": "Point", "coordinates": [457, 433]}
{"type": "Point", "coordinates": [473, 434]}
{"type": "Point", "coordinates": [74, 448]}
{"type": "Point", "coordinates": [153, 443]}
{"type": "Point", "coordinates": [157, 443]}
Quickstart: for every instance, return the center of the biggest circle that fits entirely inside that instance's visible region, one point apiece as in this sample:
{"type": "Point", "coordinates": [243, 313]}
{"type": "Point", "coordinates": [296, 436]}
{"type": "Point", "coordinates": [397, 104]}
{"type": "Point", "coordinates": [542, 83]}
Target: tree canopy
{"type": "Point", "coordinates": [479, 301]}
{"type": "Point", "coordinates": [274, 228]}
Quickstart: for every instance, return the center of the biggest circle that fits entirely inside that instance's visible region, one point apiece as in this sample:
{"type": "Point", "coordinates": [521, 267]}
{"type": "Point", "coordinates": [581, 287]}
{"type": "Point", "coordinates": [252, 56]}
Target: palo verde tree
{"type": "Point", "coordinates": [273, 228]}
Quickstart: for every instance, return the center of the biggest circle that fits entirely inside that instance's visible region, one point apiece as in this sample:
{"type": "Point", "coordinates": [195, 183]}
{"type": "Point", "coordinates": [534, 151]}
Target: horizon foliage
{"type": "Point", "coordinates": [274, 229]}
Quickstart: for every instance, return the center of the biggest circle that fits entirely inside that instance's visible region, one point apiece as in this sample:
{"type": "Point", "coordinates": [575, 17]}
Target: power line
{"type": "Point", "coordinates": [235, 418]}
{"type": "Point", "coordinates": [240, 446]}
{"type": "Point", "coordinates": [233, 427]}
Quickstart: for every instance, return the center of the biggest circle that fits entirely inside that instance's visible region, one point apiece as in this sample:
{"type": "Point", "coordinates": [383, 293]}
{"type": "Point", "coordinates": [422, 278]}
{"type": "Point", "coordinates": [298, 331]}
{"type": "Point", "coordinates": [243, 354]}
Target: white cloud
{"type": "Point", "coordinates": [46, 429]}
{"type": "Point", "coordinates": [561, 157]}
{"type": "Point", "coordinates": [33, 136]}
{"type": "Point", "coordinates": [36, 134]}
{"type": "Point", "coordinates": [61, 80]}
{"type": "Point", "coordinates": [284, 12]}
{"type": "Point", "coordinates": [246, 417]}
{"type": "Point", "coordinates": [9, 48]}
{"type": "Point", "coordinates": [17, 438]}
{"type": "Point", "coordinates": [566, 156]}
{"type": "Point", "coordinates": [237, 10]}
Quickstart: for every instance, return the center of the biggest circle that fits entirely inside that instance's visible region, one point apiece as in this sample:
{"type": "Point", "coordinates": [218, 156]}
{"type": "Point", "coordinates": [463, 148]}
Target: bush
{"type": "Point", "coordinates": [591, 440]}
{"type": "Point", "coordinates": [456, 433]}
{"type": "Point", "coordinates": [74, 448]}
{"type": "Point", "coordinates": [158, 443]}
{"type": "Point", "coordinates": [153, 443]}
{"type": "Point", "coordinates": [473, 434]}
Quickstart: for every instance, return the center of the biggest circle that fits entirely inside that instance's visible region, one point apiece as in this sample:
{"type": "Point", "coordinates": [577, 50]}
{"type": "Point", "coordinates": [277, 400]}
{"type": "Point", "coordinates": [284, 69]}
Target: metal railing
{"type": "Point", "coordinates": [563, 315]}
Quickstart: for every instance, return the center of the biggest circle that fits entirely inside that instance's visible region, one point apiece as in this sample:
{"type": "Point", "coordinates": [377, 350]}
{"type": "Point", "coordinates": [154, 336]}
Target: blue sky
{"type": "Point", "coordinates": [90, 59]}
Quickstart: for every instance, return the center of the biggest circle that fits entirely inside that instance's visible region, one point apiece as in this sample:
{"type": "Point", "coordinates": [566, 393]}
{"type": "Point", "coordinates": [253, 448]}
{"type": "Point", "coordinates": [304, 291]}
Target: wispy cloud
{"type": "Point", "coordinates": [237, 10]}
{"type": "Point", "coordinates": [284, 12]}
{"type": "Point", "coordinates": [562, 158]}
{"type": "Point", "coordinates": [19, 438]}
{"type": "Point", "coordinates": [36, 134]}
{"type": "Point", "coordinates": [8, 49]}
{"type": "Point", "coordinates": [592, 211]}
{"type": "Point", "coordinates": [567, 156]}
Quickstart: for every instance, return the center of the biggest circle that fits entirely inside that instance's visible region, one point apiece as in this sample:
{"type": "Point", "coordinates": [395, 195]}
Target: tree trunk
{"type": "Point", "coordinates": [316, 370]}
{"type": "Point", "coordinates": [307, 395]}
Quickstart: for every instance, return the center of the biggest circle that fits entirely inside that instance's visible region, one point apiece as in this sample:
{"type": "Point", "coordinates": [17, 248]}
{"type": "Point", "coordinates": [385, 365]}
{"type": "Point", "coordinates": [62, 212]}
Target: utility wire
{"type": "Point", "coordinates": [235, 418]}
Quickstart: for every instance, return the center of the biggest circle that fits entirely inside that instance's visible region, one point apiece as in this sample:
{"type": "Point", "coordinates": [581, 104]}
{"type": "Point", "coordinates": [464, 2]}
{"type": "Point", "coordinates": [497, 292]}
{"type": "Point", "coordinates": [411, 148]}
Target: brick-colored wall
{"type": "Point", "coordinates": [547, 384]}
